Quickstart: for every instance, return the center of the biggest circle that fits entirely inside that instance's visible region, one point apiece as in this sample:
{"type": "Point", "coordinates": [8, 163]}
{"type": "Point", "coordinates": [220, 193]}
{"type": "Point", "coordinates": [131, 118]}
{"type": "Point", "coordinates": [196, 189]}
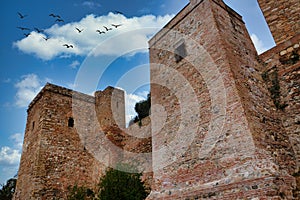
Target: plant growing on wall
{"type": "Point", "coordinates": [274, 88]}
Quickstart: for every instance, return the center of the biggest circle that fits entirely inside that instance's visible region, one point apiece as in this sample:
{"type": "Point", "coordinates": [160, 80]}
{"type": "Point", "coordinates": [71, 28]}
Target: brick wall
{"type": "Point", "coordinates": [282, 17]}
{"type": "Point", "coordinates": [27, 177]}
{"type": "Point", "coordinates": [282, 69]}
{"type": "Point", "coordinates": [56, 156]}
{"type": "Point", "coordinates": [224, 125]}
{"type": "Point", "coordinates": [226, 143]}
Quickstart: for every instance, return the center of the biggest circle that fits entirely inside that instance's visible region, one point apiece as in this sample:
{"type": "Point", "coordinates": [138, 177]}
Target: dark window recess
{"type": "Point", "coordinates": [71, 122]}
{"type": "Point", "coordinates": [33, 125]}
{"type": "Point", "coordinates": [180, 53]}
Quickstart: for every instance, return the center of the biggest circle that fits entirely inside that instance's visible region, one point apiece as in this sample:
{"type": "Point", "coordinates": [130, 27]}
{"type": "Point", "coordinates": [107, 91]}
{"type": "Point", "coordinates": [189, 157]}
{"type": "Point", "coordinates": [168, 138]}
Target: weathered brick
{"type": "Point", "coordinates": [283, 18]}
{"type": "Point", "coordinates": [224, 125]}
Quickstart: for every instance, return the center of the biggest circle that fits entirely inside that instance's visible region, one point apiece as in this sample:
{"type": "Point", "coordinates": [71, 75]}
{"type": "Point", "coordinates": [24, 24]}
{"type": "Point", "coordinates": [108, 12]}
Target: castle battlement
{"type": "Point", "coordinates": [225, 121]}
{"type": "Point", "coordinates": [62, 91]}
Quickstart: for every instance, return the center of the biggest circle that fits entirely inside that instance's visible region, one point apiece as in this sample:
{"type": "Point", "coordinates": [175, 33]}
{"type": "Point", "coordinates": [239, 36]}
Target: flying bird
{"type": "Point", "coordinates": [38, 30]}
{"type": "Point", "coordinates": [21, 15]}
{"type": "Point", "coordinates": [55, 16]}
{"type": "Point", "coordinates": [45, 38]}
{"type": "Point", "coordinates": [59, 20]}
{"type": "Point", "coordinates": [68, 45]}
{"type": "Point", "coordinates": [118, 12]}
{"type": "Point", "coordinates": [23, 28]}
{"type": "Point", "coordinates": [26, 34]}
{"type": "Point", "coordinates": [116, 25]}
{"type": "Point", "coordinates": [107, 29]}
{"type": "Point", "coordinates": [79, 31]}
{"type": "Point", "coordinates": [100, 32]}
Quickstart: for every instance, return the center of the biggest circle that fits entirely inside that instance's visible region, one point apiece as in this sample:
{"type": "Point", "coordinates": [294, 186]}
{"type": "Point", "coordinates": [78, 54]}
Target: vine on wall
{"type": "Point", "coordinates": [274, 88]}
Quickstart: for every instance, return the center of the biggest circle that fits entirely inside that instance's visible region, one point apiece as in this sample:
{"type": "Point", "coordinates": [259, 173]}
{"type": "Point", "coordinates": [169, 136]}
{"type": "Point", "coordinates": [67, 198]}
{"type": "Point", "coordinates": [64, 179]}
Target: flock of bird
{"type": "Point", "coordinates": [59, 19]}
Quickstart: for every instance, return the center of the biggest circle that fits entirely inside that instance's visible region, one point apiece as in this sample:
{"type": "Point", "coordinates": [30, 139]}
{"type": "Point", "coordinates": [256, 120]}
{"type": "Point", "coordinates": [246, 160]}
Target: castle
{"type": "Point", "coordinates": [225, 121]}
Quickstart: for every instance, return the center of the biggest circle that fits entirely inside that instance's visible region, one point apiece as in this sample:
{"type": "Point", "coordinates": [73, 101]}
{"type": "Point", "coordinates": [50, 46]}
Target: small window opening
{"type": "Point", "coordinates": [32, 128]}
{"type": "Point", "coordinates": [180, 52]}
{"type": "Point", "coordinates": [71, 122]}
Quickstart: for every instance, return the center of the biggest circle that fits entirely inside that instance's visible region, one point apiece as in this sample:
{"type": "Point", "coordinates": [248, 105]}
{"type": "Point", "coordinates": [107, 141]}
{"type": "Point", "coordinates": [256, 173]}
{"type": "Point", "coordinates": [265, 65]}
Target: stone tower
{"type": "Point", "coordinates": [216, 132]}
{"type": "Point", "coordinates": [61, 131]}
{"type": "Point", "coordinates": [282, 17]}
{"type": "Point", "coordinates": [225, 121]}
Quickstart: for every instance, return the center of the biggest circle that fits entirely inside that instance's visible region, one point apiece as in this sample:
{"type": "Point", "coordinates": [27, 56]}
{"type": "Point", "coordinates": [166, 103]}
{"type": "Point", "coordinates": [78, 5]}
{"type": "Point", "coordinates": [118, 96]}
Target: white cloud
{"type": "Point", "coordinates": [27, 89]}
{"type": "Point", "coordinates": [11, 155]}
{"type": "Point", "coordinates": [135, 33]}
{"type": "Point", "coordinates": [258, 44]}
{"type": "Point", "coordinates": [75, 64]}
{"type": "Point", "coordinates": [18, 140]}
{"type": "Point", "coordinates": [91, 4]}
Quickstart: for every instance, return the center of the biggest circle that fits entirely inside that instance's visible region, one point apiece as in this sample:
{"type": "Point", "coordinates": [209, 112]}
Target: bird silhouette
{"type": "Point", "coordinates": [116, 25]}
{"type": "Point", "coordinates": [26, 34]}
{"type": "Point", "coordinates": [118, 12]}
{"type": "Point", "coordinates": [107, 29]}
{"type": "Point", "coordinates": [45, 38]}
{"type": "Point", "coordinates": [55, 16]}
{"type": "Point", "coordinates": [21, 15]}
{"type": "Point", "coordinates": [38, 30]}
{"type": "Point", "coordinates": [23, 28]}
{"type": "Point", "coordinates": [68, 45]}
{"type": "Point", "coordinates": [79, 31]}
{"type": "Point", "coordinates": [59, 20]}
{"type": "Point", "coordinates": [100, 32]}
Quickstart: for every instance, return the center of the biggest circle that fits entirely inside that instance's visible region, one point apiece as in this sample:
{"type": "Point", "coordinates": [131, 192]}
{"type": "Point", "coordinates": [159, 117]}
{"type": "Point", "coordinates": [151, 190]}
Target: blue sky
{"type": "Point", "coordinates": [118, 58]}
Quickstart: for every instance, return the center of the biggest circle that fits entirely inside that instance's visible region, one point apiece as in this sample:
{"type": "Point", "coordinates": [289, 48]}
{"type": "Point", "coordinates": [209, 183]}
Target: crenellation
{"type": "Point", "coordinates": [224, 124]}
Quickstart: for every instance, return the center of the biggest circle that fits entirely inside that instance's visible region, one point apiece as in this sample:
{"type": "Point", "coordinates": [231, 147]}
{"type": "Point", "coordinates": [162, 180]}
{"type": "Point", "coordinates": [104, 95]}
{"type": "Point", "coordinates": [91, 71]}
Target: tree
{"type": "Point", "coordinates": [80, 193]}
{"type": "Point", "coordinates": [120, 185]}
{"type": "Point", "coordinates": [7, 191]}
{"type": "Point", "coordinates": [143, 108]}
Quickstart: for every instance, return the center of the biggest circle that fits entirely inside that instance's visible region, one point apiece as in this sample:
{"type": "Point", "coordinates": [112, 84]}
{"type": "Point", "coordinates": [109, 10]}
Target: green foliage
{"type": "Point", "coordinates": [142, 108]}
{"type": "Point", "coordinates": [80, 193]}
{"type": "Point", "coordinates": [274, 89]}
{"type": "Point", "coordinates": [7, 191]}
{"type": "Point", "coordinates": [121, 185]}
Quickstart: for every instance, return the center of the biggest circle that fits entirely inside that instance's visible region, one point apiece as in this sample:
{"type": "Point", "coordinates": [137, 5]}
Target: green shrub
{"type": "Point", "coordinates": [120, 185]}
{"type": "Point", "coordinates": [80, 193]}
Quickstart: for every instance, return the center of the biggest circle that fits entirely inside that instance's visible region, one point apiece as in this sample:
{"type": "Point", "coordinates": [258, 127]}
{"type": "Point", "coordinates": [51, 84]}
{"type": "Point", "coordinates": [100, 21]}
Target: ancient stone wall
{"type": "Point", "coordinates": [71, 138]}
{"type": "Point", "coordinates": [224, 125]}
{"type": "Point", "coordinates": [138, 149]}
{"type": "Point", "coordinates": [281, 73]}
{"type": "Point", "coordinates": [110, 106]}
{"type": "Point", "coordinates": [212, 69]}
{"type": "Point", "coordinates": [282, 17]}
{"type": "Point", "coordinates": [28, 180]}
{"type": "Point", "coordinates": [60, 150]}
